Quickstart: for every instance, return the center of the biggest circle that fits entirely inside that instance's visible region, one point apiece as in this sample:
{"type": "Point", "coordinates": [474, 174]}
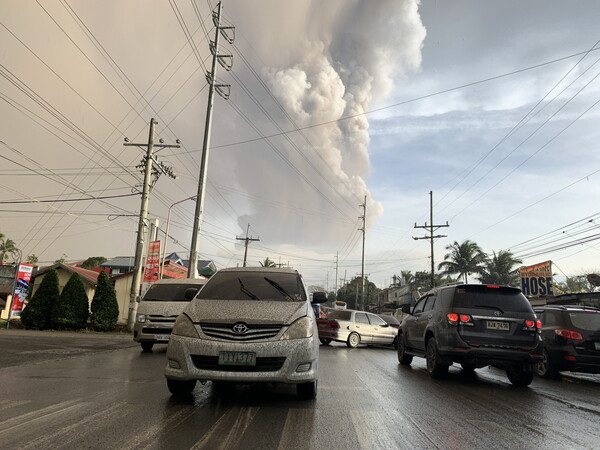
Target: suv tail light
{"type": "Point", "coordinates": [462, 319]}
{"type": "Point", "coordinates": [532, 325]}
{"type": "Point", "coordinates": [569, 334]}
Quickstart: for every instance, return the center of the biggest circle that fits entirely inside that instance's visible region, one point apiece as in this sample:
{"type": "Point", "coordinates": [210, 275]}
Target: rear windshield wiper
{"type": "Point", "coordinates": [489, 307]}
{"type": "Point", "coordinates": [277, 286]}
{"type": "Point", "coordinates": [246, 291]}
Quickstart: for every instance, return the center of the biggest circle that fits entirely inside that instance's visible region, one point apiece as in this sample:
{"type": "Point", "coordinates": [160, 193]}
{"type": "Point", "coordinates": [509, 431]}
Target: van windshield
{"type": "Point", "coordinates": [168, 292]}
{"type": "Point", "coordinates": [272, 286]}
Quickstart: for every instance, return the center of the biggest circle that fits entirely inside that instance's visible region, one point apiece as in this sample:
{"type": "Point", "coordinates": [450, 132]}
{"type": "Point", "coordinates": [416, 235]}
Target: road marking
{"type": "Point", "coordinates": [228, 431]}
{"type": "Point", "coordinates": [44, 413]}
{"type": "Point", "coordinates": [298, 422]}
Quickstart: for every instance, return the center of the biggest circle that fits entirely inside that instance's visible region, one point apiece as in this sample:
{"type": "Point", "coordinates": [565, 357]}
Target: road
{"type": "Point", "coordinates": [62, 391]}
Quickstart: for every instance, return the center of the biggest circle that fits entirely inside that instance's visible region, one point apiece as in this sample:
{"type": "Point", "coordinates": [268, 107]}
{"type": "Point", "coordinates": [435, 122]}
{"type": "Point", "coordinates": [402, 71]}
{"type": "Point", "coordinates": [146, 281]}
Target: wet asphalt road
{"type": "Point", "coordinates": [60, 390]}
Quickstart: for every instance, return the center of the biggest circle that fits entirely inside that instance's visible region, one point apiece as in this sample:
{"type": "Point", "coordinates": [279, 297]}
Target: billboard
{"type": "Point", "coordinates": [20, 289]}
{"type": "Point", "coordinates": [152, 267]}
{"type": "Point", "coordinates": [536, 280]}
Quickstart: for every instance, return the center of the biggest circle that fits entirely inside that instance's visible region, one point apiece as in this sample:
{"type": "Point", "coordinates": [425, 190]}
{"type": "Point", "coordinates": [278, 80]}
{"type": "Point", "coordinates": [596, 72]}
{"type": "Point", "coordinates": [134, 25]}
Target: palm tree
{"type": "Point", "coordinates": [267, 263]}
{"type": "Point", "coordinates": [7, 248]}
{"type": "Point", "coordinates": [463, 260]}
{"type": "Point", "coordinates": [500, 269]}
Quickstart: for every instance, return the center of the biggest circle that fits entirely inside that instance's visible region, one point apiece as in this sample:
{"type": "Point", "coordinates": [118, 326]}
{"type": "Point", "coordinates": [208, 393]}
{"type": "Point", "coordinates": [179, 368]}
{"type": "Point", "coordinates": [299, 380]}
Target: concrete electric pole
{"type": "Point", "coordinates": [247, 240]}
{"type": "Point", "coordinates": [431, 237]}
{"type": "Point", "coordinates": [223, 91]}
{"type": "Point", "coordinates": [363, 229]}
{"type": "Point", "coordinates": [141, 233]}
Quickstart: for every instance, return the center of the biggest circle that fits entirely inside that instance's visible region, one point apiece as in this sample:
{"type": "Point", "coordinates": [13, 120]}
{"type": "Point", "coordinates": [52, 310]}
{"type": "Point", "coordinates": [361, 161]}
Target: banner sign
{"type": "Point", "coordinates": [20, 291]}
{"type": "Point", "coordinates": [151, 271]}
{"type": "Point", "coordinates": [537, 280]}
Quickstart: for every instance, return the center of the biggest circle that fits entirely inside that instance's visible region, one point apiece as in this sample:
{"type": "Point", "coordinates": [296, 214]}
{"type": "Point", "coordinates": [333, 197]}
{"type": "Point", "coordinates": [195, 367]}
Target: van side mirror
{"type": "Point", "coordinates": [406, 308]}
{"type": "Point", "coordinates": [319, 297]}
{"type": "Point", "coordinates": [190, 293]}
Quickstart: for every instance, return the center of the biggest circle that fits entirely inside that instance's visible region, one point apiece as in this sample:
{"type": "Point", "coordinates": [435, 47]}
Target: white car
{"type": "Point", "coordinates": [246, 325]}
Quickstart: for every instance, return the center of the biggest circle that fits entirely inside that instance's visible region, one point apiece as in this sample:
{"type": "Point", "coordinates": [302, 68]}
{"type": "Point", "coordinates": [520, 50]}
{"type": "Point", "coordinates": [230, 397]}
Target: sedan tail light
{"type": "Point", "coordinates": [569, 334]}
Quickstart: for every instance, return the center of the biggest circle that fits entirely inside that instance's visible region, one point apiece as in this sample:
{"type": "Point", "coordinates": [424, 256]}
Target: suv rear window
{"type": "Point", "coordinates": [589, 321]}
{"type": "Point", "coordinates": [504, 298]}
{"type": "Point", "coordinates": [168, 292]}
{"type": "Point", "coordinates": [271, 286]}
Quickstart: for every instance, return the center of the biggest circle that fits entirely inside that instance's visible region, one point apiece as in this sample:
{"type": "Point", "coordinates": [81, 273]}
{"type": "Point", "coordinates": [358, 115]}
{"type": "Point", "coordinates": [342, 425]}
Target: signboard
{"type": "Point", "coordinates": [152, 267]}
{"type": "Point", "coordinates": [536, 280]}
{"type": "Point", "coordinates": [20, 289]}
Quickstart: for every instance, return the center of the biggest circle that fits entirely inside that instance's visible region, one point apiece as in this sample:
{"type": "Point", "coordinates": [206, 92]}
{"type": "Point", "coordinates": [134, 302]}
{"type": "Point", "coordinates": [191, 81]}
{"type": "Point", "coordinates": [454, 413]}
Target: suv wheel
{"type": "Point", "coordinates": [518, 375]}
{"type": "Point", "coordinates": [147, 346]}
{"type": "Point", "coordinates": [435, 368]}
{"type": "Point", "coordinates": [545, 368]}
{"type": "Point", "coordinates": [403, 358]}
{"type": "Point", "coordinates": [353, 340]}
{"type": "Point", "coordinates": [325, 341]}
{"type": "Point", "coordinates": [181, 388]}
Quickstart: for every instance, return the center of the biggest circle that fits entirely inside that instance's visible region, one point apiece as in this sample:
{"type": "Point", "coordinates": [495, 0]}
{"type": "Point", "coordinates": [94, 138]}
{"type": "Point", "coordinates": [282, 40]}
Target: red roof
{"type": "Point", "coordinates": [88, 275]}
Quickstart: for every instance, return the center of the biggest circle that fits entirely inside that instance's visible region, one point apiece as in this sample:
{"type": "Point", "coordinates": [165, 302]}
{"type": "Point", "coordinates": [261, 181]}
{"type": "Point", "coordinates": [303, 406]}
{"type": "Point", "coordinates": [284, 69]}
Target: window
{"type": "Point", "coordinates": [430, 302]}
{"type": "Point", "coordinates": [419, 306]}
{"type": "Point", "coordinates": [376, 320]}
{"type": "Point", "coordinates": [361, 318]}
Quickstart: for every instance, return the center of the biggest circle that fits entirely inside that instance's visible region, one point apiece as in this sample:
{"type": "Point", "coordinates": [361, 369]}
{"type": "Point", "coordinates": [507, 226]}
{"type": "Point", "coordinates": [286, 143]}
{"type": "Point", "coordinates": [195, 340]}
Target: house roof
{"type": "Point", "coordinates": [120, 261]}
{"type": "Point", "coordinates": [87, 275]}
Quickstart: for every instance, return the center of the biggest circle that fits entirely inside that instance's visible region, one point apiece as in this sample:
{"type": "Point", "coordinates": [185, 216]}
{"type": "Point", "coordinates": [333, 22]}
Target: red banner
{"type": "Point", "coordinates": [20, 290]}
{"type": "Point", "coordinates": [152, 268]}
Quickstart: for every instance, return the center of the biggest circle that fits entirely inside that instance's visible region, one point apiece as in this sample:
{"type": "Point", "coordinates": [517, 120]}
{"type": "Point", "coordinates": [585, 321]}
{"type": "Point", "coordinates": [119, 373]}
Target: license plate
{"type": "Point", "coordinates": [237, 358]}
{"type": "Point", "coordinates": [497, 325]}
{"type": "Point", "coordinates": [162, 337]}
{"type": "Point", "coordinates": [597, 345]}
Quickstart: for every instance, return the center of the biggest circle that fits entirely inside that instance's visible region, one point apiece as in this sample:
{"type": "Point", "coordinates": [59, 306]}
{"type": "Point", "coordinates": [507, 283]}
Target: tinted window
{"type": "Point", "coordinates": [361, 318]}
{"type": "Point", "coordinates": [505, 299]}
{"type": "Point", "coordinates": [272, 286]}
{"type": "Point", "coordinates": [168, 292]}
{"type": "Point", "coordinates": [549, 318]}
{"type": "Point", "coordinates": [376, 320]}
{"type": "Point", "coordinates": [430, 302]}
{"type": "Point", "coordinates": [338, 314]}
{"type": "Point", "coordinates": [419, 306]}
{"type": "Point", "coordinates": [588, 321]}
{"type": "Point", "coordinates": [390, 319]}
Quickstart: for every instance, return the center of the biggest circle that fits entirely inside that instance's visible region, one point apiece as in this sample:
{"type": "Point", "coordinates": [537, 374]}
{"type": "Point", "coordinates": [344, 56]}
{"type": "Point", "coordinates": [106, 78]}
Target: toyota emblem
{"type": "Point", "coordinates": [240, 328]}
{"type": "Point", "coordinates": [497, 313]}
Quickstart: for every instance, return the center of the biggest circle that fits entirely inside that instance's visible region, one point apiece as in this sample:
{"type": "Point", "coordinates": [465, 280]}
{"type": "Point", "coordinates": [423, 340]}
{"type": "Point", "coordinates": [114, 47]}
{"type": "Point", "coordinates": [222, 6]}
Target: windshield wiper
{"type": "Point", "coordinates": [246, 291]}
{"type": "Point", "coordinates": [489, 307]}
{"type": "Point", "coordinates": [277, 286]}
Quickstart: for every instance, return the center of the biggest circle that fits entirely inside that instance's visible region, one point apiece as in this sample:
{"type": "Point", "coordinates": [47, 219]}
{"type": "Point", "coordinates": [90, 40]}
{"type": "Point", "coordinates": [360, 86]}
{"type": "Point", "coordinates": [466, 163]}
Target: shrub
{"type": "Point", "coordinates": [105, 309]}
{"type": "Point", "coordinates": [36, 315]}
{"type": "Point", "coordinates": [71, 310]}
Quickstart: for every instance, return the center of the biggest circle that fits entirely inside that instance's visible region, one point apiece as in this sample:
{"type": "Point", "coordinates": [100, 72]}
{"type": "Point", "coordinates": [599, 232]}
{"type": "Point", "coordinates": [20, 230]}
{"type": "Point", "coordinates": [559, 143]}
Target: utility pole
{"type": "Point", "coordinates": [363, 229]}
{"type": "Point", "coordinates": [141, 233]}
{"type": "Point", "coordinates": [431, 237]}
{"type": "Point", "coordinates": [223, 90]}
{"type": "Point", "coordinates": [337, 257]}
{"type": "Point", "coordinates": [247, 240]}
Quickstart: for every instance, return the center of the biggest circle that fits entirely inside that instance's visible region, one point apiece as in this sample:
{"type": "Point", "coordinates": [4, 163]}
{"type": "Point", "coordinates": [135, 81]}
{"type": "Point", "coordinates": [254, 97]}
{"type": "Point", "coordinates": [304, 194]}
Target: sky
{"type": "Point", "coordinates": [489, 106]}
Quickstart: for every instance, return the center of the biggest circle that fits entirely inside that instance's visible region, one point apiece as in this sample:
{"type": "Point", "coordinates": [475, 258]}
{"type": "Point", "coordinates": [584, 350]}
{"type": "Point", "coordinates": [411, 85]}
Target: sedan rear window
{"type": "Point", "coordinates": [271, 286]}
{"type": "Point", "coordinates": [168, 292]}
{"type": "Point", "coordinates": [589, 321]}
{"type": "Point", "coordinates": [503, 299]}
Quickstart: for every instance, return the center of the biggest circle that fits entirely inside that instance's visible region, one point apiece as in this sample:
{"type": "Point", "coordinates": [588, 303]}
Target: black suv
{"type": "Point", "coordinates": [571, 336]}
{"type": "Point", "coordinates": [475, 325]}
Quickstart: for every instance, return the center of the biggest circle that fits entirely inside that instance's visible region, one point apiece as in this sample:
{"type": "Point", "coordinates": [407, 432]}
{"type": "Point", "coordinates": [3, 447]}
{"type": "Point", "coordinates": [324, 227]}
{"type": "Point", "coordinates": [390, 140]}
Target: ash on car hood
{"type": "Point", "coordinates": [162, 308]}
{"type": "Point", "coordinates": [248, 311]}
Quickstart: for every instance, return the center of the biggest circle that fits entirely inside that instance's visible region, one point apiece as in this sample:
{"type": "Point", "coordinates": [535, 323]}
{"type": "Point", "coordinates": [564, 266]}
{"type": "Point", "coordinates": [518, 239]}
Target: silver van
{"type": "Point", "coordinates": [159, 308]}
{"type": "Point", "coordinates": [247, 325]}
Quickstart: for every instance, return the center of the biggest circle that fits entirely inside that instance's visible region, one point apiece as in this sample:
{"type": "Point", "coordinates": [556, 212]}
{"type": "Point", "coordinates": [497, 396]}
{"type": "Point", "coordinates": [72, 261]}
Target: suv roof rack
{"type": "Point", "coordinates": [566, 307]}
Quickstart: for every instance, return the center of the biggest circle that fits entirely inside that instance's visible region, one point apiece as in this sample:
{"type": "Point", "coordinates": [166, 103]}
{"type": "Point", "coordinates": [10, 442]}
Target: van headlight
{"type": "Point", "coordinates": [141, 318]}
{"type": "Point", "coordinates": [300, 329]}
{"type": "Point", "coordinates": [185, 327]}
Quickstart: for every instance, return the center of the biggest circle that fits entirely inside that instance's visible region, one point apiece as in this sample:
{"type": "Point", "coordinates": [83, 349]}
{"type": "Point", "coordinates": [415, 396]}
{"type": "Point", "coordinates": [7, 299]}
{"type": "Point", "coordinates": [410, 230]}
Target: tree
{"type": "Point", "coordinates": [71, 310]}
{"type": "Point", "coordinates": [8, 248]}
{"type": "Point", "coordinates": [93, 261]}
{"type": "Point", "coordinates": [105, 309]}
{"type": "Point", "coordinates": [267, 263]}
{"type": "Point", "coordinates": [32, 259]}
{"type": "Point", "coordinates": [500, 269]}
{"type": "Point", "coordinates": [463, 260]}
{"type": "Point", "coordinates": [37, 314]}
{"type": "Point", "coordinates": [61, 260]}
{"type": "Point", "coordinates": [351, 293]}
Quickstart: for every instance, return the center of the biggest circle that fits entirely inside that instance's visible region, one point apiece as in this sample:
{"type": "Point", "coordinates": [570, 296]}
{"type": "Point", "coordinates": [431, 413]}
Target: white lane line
{"type": "Point", "coordinates": [227, 432]}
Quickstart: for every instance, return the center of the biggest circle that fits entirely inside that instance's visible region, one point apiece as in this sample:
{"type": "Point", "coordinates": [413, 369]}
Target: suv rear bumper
{"type": "Point", "coordinates": [582, 363]}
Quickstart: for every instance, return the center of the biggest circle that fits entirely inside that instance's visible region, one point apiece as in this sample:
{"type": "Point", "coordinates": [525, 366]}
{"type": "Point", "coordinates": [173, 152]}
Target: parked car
{"type": "Point", "coordinates": [475, 325]}
{"type": "Point", "coordinates": [355, 328]}
{"type": "Point", "coordinates": [571, 336]}
{"type": "Point", "coordinates": [249, 325]}
{"type": "Point", "coordinates": [390, 320]}
{"type": "Point", "coordinates": [159, 308]}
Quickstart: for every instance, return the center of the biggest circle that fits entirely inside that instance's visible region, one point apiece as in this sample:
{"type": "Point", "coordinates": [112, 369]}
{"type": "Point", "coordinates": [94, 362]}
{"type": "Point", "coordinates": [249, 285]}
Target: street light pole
{"type": "Point", "coordinates": [162, 267]}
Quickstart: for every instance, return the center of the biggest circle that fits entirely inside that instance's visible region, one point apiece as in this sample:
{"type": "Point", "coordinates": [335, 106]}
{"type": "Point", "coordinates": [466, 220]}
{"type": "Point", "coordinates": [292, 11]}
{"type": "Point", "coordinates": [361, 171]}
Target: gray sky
{"type": "Point", "coordinates": [490, 105]}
